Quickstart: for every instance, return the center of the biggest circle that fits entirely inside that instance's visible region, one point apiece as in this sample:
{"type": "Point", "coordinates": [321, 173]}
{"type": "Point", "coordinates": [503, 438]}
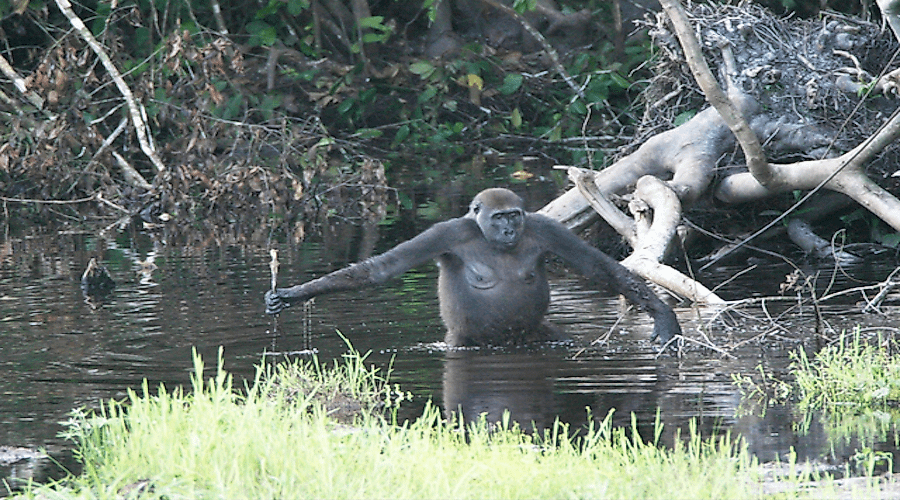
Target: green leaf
{"type": "Point", "coordinates": [516, 118]}
{"type": "Point", "coordinates": [556, 133]}
{"type": "Point", "coordinates": [271, 102]}
{"type": "Point", "coordinates": [325, 141]}
{"type": "Point", "coordinates": [684, 116]}
{"type": "Point", "coordinates": [422, 68]}
{"type": "Point", "coordinates": [261, 33]}
{"type": "Point", "coordinates": [523, 6]}
{"type": "Point", "coordinates": [891, 240]}
{"type": "Point", "coordinates": [373, 38]}
{"type": "Point", "coordinates": [368, 133]}
{"type": "Point", "coordinates": [619, 80]}
{"type": "Point", "coordinates": [374, 22]}
{"type": "Point", "coordinates": [428, 94]}
{"type": "Point", "coordinates": [511, 83]}
{"type": "Point", "coordinates": [578, 107]}
{"type": "Point", "coordinates": [296, 7]}
{"type": "Point", "coordinates": [345, 106]}
{"type": "Point", "coordinates": [402, 134]}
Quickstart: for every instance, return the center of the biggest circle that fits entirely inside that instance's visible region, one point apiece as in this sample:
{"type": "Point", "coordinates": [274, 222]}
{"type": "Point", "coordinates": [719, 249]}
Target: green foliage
{"type": "Point", "coordinates": [272, 22]}
{"type": "Point", "coordinates": [879, 232]}
{"type": "Point", "coordinates": [849, 373]}
{"type": "Point", "coordinates": [374, 31]}
{"type": "Point", "coordinates": [512, 82]}
{"type": "Point", "coordinates": [261, 33]}
{"type": "Point", "coordinates": [523, 6]}
{"type": "Point", "coordinates": [439, 118]}
{"type": "Point", "coordinates": [275, 439]}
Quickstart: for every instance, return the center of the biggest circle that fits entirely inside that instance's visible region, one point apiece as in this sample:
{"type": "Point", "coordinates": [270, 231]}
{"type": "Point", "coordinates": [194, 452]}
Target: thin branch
{"type": "Point", "coordinates": [728, 110]}
{"type": "Point", "coordinates": [551, 52]}
{"type": "Point", "coordinates": [19, 83]}
{"type": "Point", "coordinates": [134, 108]}
{"type": "Point", "coordinates": [131, 175]}
{"type": "Point", "coordinates": [584, 180]}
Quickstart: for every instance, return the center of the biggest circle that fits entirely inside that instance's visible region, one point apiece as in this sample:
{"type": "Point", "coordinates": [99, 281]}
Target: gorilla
{"type": "Point", "coordinates": [492, 285]}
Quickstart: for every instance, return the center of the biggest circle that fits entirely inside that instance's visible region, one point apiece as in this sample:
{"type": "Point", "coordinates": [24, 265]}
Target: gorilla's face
{"type": "Point", "coordinates": [500, 216]}
{"type": "Point", "coordinates": [503, 227]}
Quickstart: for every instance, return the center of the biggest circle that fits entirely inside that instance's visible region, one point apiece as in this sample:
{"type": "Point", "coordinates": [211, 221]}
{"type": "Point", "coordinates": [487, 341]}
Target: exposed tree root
{"type": "Point", "coordinates": [688, 157]}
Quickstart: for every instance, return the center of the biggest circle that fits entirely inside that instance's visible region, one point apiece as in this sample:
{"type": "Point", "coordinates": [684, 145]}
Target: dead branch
{"type": "Point", "coordinates": [131, 175]}
{"type": "Point", "coordinates": [623, 224]}
{"type": "Point", "coordinates": [135, 110]}
{"type": "Point", "coordinates": [890, 9]}
{"type": "Point", "coordinates": [756, 159]}
{"type": "Point", "coordinates": [19, 82]}
{"type": "Point", "coordinates": [688, 153]}
{"type": "Point", "coordinates": [844, 174]}
{"type": "Point", "coordinates": [654, 238]}
{"type": "Point", "coordinates": [801, 233]}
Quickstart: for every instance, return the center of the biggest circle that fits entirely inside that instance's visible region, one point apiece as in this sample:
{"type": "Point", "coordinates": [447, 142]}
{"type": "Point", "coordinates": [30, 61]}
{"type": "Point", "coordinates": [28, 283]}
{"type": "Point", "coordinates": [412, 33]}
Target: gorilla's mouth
{"type": "Point", "coordinates": [507, 243]}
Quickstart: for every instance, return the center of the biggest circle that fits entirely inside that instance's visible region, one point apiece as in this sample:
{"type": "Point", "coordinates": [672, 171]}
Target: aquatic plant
{"type": "Point", "coordinates": [848, 373]}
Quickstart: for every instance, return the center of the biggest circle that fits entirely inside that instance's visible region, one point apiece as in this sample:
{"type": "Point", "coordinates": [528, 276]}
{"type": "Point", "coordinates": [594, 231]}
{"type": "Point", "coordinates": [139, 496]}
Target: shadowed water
{"type": "Point", "coordinates": [59, 352]}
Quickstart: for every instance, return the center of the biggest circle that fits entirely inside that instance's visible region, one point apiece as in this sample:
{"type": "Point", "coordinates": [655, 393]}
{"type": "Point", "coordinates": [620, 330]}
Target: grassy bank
{"type": "Point", "coordinates": [276, 439]}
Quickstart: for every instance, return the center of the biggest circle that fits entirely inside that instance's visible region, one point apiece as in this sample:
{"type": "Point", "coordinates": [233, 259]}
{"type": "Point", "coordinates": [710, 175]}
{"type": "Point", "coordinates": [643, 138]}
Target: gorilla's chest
{"type": "Point", "coordinates": [485, 268]}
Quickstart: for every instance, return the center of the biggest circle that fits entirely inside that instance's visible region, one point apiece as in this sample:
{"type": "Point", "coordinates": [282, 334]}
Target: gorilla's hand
{"type": "Point", "coordinates": [276, 302]}
{"type": "Point", "coordinates": [665, 326]}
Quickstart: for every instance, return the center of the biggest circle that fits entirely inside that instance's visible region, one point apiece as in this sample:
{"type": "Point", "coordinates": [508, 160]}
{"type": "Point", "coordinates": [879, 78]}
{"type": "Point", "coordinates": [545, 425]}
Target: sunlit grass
{"type": "Point", "coordinates": [850, 373]}
{"type": "Point", "coordinates": [273, 441]}
{"type": "Point", "coordinates": [854, 385]}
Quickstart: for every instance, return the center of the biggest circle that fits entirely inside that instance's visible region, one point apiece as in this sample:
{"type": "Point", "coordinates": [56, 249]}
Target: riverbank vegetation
{"type": "Point", "coordinates": [852, 373]}
{"type": "Point", "coordinates": [268, 441]}
{"type": "Point", "coordinates": [851, 387]}
{"type": "Point", "coordinates": [278, 120]}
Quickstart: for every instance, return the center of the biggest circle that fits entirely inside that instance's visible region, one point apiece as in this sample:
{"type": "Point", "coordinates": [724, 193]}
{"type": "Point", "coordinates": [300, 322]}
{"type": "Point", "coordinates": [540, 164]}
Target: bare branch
{"type": "Point", "coordinates": [646, 259]}
{"type": "Point", "coordinates": [756, 160]}
{"type": "Point", "coordinates": [584, 181]}
{"type": "Point", "coordinates": [19, 82]}
{"type": "Point", "coordinates": [133, 107]}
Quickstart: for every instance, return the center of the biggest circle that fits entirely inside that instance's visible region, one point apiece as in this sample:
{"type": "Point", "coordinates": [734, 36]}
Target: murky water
{"type": "Point", "coordinates": [58, 352]}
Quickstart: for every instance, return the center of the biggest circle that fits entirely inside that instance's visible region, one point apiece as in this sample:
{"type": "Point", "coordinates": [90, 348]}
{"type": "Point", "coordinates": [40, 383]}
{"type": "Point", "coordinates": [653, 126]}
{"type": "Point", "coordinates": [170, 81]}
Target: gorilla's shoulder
{"type": "Point", "coordinates": [539, 222]}
{"type": "Point", "coordinates": [458, 230]}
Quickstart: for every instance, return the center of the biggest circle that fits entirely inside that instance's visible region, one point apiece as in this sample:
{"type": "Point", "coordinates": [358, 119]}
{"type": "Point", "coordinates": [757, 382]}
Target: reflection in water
{"type": "Point", "coordinates": [58, 353]}
{"type": "Point", "coordinates": [488, 384]}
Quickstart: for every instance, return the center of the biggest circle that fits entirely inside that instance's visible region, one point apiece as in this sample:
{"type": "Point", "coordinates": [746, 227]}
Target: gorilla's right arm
{"type": "Point", "coordinates": [433, 242]}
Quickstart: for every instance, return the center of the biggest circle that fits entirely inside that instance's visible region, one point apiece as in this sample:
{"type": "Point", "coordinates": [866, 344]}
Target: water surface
{"type": "Point", "coordinates": [59, 352]}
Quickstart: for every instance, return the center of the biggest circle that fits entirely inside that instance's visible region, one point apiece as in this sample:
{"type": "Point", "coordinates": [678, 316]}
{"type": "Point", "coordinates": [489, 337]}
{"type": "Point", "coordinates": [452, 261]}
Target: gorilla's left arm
{"type": "Point", "coordinates": [596, 265]}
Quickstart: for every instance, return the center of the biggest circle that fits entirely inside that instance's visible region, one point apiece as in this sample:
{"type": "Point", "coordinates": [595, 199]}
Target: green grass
{"type": "Point", "coordinates": [849, 374]}
{"type": "Point", "coordinates": [854, 387]}
{"type": "Point", "coordinates": [274, 441]}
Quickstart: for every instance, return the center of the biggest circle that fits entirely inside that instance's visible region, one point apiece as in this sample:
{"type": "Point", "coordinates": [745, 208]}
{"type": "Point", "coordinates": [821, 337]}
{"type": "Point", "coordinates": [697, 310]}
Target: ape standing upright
{"type": "Point", "coordinates": [492, 284]}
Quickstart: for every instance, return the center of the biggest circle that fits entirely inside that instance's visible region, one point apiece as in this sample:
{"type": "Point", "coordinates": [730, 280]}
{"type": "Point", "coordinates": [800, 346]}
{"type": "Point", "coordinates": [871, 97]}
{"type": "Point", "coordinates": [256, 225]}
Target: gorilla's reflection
{"type": "Point", "coordinates": [479, 382]}
{"type": "Point", "coordinates": [538, 386]}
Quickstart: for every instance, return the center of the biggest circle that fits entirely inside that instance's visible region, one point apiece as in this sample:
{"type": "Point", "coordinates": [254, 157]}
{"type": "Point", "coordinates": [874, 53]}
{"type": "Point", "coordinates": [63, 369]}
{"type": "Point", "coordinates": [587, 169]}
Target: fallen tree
{"type": "Point", "coordinates": [787, 104]}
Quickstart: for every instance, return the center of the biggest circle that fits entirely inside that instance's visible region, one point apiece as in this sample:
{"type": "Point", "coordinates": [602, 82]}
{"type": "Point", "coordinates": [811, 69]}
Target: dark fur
{"type": "Point", "coordinates": [493, 283]}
